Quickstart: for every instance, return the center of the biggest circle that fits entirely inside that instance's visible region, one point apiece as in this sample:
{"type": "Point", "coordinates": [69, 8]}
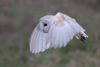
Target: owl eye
{"type": "Point", "coordinates": [45, 24]}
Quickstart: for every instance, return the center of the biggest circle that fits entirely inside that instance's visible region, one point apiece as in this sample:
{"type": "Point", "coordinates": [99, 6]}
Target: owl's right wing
{"type": "Point", "coordinates": [38, 41]}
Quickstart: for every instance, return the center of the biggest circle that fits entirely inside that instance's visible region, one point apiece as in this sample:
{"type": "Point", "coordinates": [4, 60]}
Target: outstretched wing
{"type": "Point", "coordinates": [38, 41]}
{"type": "Point", "coordinates": [77, 28]}
{"type": "Point", "coordinates": [63, 30]}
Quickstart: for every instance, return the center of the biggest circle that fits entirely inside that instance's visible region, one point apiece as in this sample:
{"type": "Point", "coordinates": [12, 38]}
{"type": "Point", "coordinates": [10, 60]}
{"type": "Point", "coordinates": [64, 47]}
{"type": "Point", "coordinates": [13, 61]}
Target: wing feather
{"type": "Point", "coordinates": [77, 28]}
{"type": "Point", "coordinates": [60, 36]}
{"type": "Point", "coordinates": [38, 41]}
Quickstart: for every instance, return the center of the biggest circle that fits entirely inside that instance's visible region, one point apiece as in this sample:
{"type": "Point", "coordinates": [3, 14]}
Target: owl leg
{"type": "Point", "coordinates": [81, 36]}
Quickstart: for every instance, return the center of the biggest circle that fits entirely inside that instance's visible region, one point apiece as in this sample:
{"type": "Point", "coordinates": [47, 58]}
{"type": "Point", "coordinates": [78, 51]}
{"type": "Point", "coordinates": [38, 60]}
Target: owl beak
{"type": "Point", "coordinates": [45, 31]}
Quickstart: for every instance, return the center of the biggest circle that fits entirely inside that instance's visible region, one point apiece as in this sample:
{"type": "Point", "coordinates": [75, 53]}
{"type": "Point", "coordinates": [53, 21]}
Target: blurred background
{"type": "Point", "coordinates": [18, 19]}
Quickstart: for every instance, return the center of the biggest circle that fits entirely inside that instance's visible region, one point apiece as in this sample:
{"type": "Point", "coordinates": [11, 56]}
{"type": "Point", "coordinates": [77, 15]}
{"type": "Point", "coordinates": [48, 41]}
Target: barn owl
{"type": "Point", "coordinates": [55, 31]}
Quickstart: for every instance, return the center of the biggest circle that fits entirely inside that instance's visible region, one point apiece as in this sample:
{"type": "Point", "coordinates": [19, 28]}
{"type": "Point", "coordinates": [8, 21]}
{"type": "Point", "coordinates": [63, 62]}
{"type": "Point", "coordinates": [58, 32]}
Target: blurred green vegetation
{"type": "Point", "coordinates": [18, 19]}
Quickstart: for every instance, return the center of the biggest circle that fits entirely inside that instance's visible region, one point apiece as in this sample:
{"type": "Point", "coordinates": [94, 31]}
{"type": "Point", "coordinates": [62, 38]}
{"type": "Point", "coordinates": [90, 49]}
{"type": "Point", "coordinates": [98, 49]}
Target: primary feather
{"type": "Point", "coordinates": [55, 31]}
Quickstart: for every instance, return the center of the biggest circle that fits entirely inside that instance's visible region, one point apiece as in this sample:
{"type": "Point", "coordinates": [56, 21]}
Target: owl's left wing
{"type": "Point", "coordinates": [60, 36]}
{"type": "Point", "coordinates": [63, 30]}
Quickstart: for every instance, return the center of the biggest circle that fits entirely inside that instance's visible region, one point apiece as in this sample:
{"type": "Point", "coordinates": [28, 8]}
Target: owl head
{"type": "Point", "coordinates": [45, 23]}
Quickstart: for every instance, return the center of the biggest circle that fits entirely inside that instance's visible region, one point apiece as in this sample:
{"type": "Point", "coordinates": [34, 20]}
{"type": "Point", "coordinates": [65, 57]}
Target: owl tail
{"type": "Point", "coordinates": [82, 36]}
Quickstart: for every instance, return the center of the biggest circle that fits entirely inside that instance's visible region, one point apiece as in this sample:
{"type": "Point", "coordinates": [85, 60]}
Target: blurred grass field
{"type": "Point", "coordinates": [18, 19]}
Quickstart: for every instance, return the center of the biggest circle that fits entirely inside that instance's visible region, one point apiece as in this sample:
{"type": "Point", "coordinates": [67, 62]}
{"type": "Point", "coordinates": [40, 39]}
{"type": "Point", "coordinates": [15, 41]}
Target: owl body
{"type": "Point", "coordinates": [55, 31]}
